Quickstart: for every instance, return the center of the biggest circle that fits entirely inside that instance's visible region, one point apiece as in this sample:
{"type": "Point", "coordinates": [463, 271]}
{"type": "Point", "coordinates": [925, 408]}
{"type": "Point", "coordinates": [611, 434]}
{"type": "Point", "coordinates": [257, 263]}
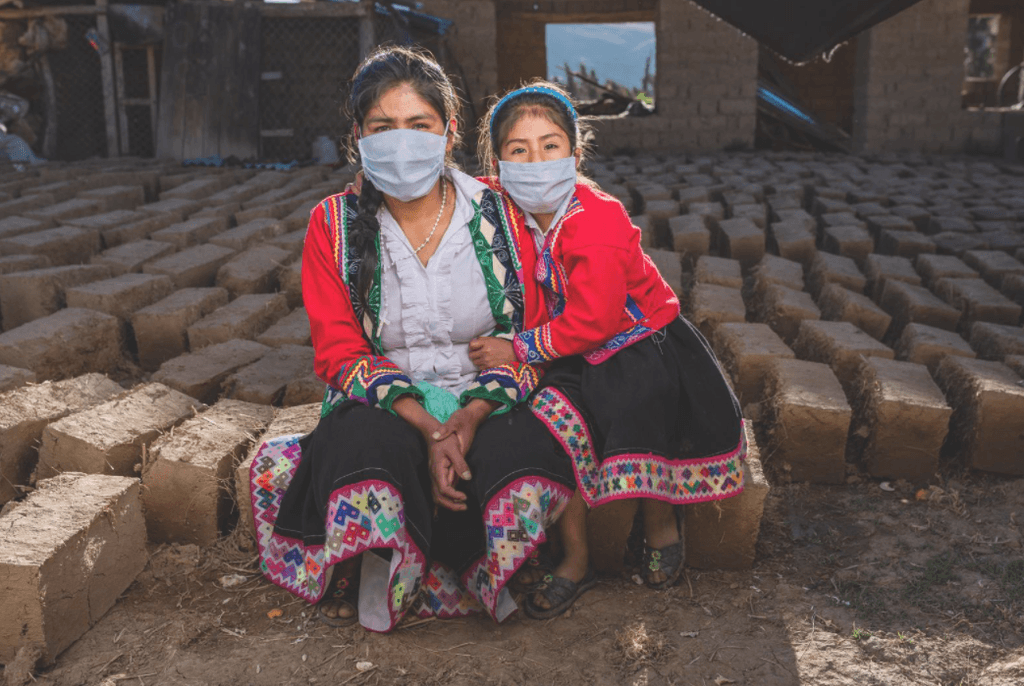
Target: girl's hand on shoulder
{"type": "Point", "coordinates": [489, 351]}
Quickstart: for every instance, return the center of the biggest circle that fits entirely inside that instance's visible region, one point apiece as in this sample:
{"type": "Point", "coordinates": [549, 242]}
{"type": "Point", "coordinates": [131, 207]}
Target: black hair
{"type": "Point", "coordinates": [382, 70]}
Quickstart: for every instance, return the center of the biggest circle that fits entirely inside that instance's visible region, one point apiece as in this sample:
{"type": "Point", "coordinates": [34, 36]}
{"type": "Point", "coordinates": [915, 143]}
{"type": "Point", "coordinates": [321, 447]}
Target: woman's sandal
{"type": "Point", "coordinates": [539, 563]}
{"type": "Point", "coordinates": [668, 560]}
{"type": "Point", "coordinates": [560, 593]}
{"type": "Point", "coordinates": [343, 591]}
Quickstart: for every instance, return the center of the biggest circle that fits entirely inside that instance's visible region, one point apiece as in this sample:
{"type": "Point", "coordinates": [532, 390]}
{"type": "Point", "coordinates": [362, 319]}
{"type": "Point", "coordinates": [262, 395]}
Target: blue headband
{"type": "Point", "coordinates": [570, 110]}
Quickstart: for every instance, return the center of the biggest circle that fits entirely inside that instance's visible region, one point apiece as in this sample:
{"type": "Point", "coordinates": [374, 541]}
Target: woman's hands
{"type": "Point", "coordinates": [489, 351]}
{"type": "Point", "coordinates": [447, 465]}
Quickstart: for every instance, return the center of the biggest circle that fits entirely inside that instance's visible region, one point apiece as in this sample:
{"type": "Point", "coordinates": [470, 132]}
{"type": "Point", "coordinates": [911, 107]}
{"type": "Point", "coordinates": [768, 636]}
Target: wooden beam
{"type": "Point", "coordinates": [366, 37]}
{"type": "Point", "coordinates": [107, 77]}
{"type": "Point", "coordinates": [122, 103]}
{"type": "Point", "coordinates": [37, 12]}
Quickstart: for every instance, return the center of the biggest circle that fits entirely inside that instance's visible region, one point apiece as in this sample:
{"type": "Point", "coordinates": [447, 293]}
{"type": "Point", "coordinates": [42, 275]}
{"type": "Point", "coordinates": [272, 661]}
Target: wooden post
{"type": "Point", "coordinates": [50, 134]}
{"type": "Point", "coordinates": [366, 37]}
{"type": "Point", "coordinates": [153, 97]}
{"type": "Point", "coordinates": [122, 108]}
{"type": "Point", "coordinates": [107, 76]}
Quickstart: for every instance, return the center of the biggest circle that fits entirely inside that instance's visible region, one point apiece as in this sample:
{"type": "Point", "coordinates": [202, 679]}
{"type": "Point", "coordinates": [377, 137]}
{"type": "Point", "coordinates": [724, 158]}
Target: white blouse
{"type": "Point", "coordinates": [429, 314]}
{"type": "Point", "coordinates": [539, 236]}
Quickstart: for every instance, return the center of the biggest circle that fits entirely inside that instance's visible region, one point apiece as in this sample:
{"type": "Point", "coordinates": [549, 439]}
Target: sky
{"type": "Point", "coordinates": [615, 51]}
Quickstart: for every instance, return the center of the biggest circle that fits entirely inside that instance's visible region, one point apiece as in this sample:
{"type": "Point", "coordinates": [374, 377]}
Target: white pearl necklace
{"type": "Point", "coordinates": [444, 199]}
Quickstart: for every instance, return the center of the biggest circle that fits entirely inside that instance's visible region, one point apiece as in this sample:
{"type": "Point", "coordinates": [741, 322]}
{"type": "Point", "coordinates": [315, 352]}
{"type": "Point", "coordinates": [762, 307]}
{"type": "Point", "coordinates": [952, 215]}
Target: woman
{"type": "Point", "coordinates": [397, 281]}
{"type": "Point", "coordinates": [634, 392]}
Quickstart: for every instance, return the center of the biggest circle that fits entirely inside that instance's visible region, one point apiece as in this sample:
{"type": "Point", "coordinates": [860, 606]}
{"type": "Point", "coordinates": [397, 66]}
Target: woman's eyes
{"type": "Point", "coordinates": [552, 146]}
{"type": "Point", "coordinates": [518, 151]}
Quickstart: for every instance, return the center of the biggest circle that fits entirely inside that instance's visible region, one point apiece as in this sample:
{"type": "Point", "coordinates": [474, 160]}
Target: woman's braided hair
{"type": "Point", "coordinates": [383, 69]}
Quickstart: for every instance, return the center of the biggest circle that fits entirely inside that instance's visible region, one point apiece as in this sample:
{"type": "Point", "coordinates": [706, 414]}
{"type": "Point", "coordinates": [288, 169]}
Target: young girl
{"type": "Point", "coordinates": [633, 392]}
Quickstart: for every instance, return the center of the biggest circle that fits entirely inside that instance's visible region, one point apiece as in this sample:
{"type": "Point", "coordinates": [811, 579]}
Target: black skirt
{"type": "Point", "coordinates": [655, 420]}
{"type": "Point", "coordinates": [360, 483]}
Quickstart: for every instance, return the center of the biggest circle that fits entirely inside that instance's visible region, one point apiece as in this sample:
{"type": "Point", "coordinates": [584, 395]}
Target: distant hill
{"type": "Point", "coordinates": [615, 51]}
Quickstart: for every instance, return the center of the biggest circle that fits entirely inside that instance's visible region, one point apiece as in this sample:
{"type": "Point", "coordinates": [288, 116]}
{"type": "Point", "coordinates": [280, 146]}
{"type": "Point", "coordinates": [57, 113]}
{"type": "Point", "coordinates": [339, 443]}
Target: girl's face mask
{"type": "Point", "coordinates": [539, 187]}
{"type": "Point", "coordinates": [403, 163]}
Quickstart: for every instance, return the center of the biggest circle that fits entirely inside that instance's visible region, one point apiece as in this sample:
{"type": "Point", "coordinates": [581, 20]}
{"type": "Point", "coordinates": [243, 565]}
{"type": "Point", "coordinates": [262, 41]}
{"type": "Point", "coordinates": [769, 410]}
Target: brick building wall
{"type": "Point", "coordinates": [706, 88]}
{"type": "Point", "coordinates": [909, 75]}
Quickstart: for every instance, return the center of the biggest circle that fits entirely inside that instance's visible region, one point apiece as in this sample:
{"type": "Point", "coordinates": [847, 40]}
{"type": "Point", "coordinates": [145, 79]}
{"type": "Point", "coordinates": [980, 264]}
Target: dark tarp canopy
{"type": "Point", "coordinates": [800, 30]}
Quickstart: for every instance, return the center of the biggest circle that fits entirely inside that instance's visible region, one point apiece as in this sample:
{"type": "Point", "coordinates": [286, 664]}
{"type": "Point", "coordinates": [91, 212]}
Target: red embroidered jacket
{"type": "Point", "coordinates": [602, 292]}
{"type": "Point", "coordinates": [348, 355]}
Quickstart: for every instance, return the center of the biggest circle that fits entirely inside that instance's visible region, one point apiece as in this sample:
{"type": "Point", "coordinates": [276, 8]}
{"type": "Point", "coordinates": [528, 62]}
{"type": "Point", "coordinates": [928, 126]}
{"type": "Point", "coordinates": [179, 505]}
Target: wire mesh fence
{"type": "Point", "coordinates": [81, 122]}
{"type": "Point", "coordinates": [306, 64]}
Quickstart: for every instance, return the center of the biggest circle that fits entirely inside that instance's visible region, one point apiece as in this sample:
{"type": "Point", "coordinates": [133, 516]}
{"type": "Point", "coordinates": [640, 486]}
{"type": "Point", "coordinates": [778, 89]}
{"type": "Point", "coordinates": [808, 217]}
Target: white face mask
{"type": "Point", "coordinates": [539, 187]}
{"type": "Point", "coordinates": [403, 163]}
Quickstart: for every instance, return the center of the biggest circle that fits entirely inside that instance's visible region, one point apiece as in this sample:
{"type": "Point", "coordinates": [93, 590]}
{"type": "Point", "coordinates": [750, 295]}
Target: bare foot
{"type": "Point", "coordinates": [339, 599]}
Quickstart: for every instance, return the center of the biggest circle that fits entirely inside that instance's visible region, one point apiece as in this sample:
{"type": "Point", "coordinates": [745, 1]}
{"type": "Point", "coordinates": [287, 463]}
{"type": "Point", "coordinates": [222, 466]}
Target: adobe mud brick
{"type": "Point", "coordinates": [793, 242]}
{"type": "Point", "coordinates": [879, 224]}
{"type": "Point", "coordinates": [690, 236]}
{"type": "Point", "coordinates": [900, 420]}
{"type": "Point", "coordinates": [253, 271]}
{"type": "Point", "coordinates": [194, 267]}
{"type": "Point", "coordinates": [796, 217]}
{"type": "Point", "coordinates": [670, 266]}
{"type": "Point", "coordinates": [840, 219]}
{"type": "Point", "coordinates": [842, 271]}
{"type": "Point", "coordinates": [957, 244]}
{"type": "Point", "coordinates": [849, 241]}
{"type": "Point", "coordinates": [915, 213]}
{"type": "Point", "coordinates": [290, 279]}
{"type": "Point", "coordinates": [777, 270]}
{"type": "Point", "coordinates": [987, 426]}
{"type": "Point", "coordinates": [878, 269]}
{"type": "Point", "coordinates": [69, 209]}
{"type": "Point", "coordinates": [740, 239]}
{"type": "Point", "coordinates": [1016, 363]}
{"type": "Point", "coordinates": [646, 226]}
{"type": "Point", "coordinates": [996, 341]}
{"type": "Point", "coordinates": [195, 231]}
{"type": "Point", "coordinates": [711, 305]}
{"type": "Point", "coordinates": [26, 203]}
{"type": "Point", "coordinates": [243, 318]}
{"type": "Point", "coordinates": [713, 211]}
{"type": "Point", "coordinates": [993, 265]}
{"type": "Point", "coordinates": [822, 205]}
{"type": "Point", "coordinates": [978, 302]}
{"type": "Point", "coordinates": [201, 373]}
{"type": "Point", "coordinates": [16, 226]}
{"type": "Point", "coordinates": [116, 197]}
{"type": "Point", "coordinates": [293, 329]}
{"type": "Point", "coordinates": [69, 342]}
{"type": "Point", "coordinates": [130, 257]}
{"type": "Point", "coordinates": [304, 389]}
{"type": "Point", "coordinates": [264, 381]}
{"type": "Point", "coordinates": [27, 296]}
{"type": "Point", "coordinates": [291, 242]}
{"type": "Point", "coordinates": [841, 305]}
{"type": "Point", "coordinates": [177, 207]}
{"type": "Point", "coordinates": [1002, 240]}
{"type": "Point", "coordinates": [66, 554]}
{"type": "Point", "coordinates": [187, 478]}
{"type": "Point", "coordinates": [945, 224]}
{"type": "Point", "coordinates": [928, 345]}
{"type": "Point", "coordinates": [301, 419]}
{"type": "Point", "coordinates": [14, 377]}
{"type": "Point", "coordinates": [863, 210]}
{"type": "Point", "coordinates": [298, 219]}
{"type": "Point", "coordinates": [746, 351]}
{"type": "Point", "coordinates": [110, 438]}
{"type": "Point", "coordinates": [107, 220]}
{"type": "Point", "coordinates": [660, 211]}
{"type": "Point", "coordinates": [935, 267]}
{"type": "Point", "coordinates": [249, 234]}
{"type": "Point", "coordinates": [905, 243]}
{"type": "Point", "coordinates": [806, 419]}
{"type": "Point", "coordinates": [720, 271]}
{"type": "Point", "coordinates": [915, 304]}
{"type": "Point", "coordinates": [160, 328]}
{"type": "Point", "coordinates": [1013, 286]}
{"type": "Point", "coordinates": [136, 231]}
{"type": "Point", "coordinates": [784, 308]}
{"type": "Point", "coordinates": [840, 345]}
{"type": "Point", "coordinates": [198, 189]}
{"type": "Point", "coordinates": [62, 245]}
{"type": "Point", "coordinates": [22, 263]}
{"type": "Point", "coordinates": [121, 295]}
{"type": "Point", "coordinates": [722, 534]}
{"type": "Point", "coordinates": [25, 412]}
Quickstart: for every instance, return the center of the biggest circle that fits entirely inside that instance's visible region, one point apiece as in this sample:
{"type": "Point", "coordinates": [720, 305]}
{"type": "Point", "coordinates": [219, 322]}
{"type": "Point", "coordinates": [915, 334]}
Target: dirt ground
{"type": "Point", "coordinates": [853, 585]}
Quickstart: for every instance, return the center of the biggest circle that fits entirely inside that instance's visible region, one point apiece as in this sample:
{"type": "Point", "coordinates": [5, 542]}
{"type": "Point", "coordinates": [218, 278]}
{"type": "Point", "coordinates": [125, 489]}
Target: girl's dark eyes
{"type": "Point", "coordinates": [551, 146]}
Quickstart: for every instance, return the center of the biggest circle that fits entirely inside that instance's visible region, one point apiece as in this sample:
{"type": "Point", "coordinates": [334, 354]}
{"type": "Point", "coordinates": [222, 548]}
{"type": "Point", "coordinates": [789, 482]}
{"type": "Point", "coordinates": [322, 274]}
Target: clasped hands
{"type": "Point", "coordinates": [448, 443]}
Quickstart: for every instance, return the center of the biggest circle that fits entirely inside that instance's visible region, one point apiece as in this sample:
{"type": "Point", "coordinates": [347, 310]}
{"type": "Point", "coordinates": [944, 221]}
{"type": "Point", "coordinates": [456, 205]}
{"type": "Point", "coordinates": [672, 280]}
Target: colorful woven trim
{"type": "Point", "coordinates": [623, 339]}
{"type": "Point", "coordinates": [637, 475]}
{"type": "Point", "coordinates": [534, 346]}
{"type": "Point", "coordinates": [372, 380]}
{"type": "Point", "coordinates": [442, 596]}
{"type": "Point", "coordinates": [509, 384]}
{"type": "Point", "coordinates": [366, 515]}
{"type": "Point", "coordinates": [517, 519]}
